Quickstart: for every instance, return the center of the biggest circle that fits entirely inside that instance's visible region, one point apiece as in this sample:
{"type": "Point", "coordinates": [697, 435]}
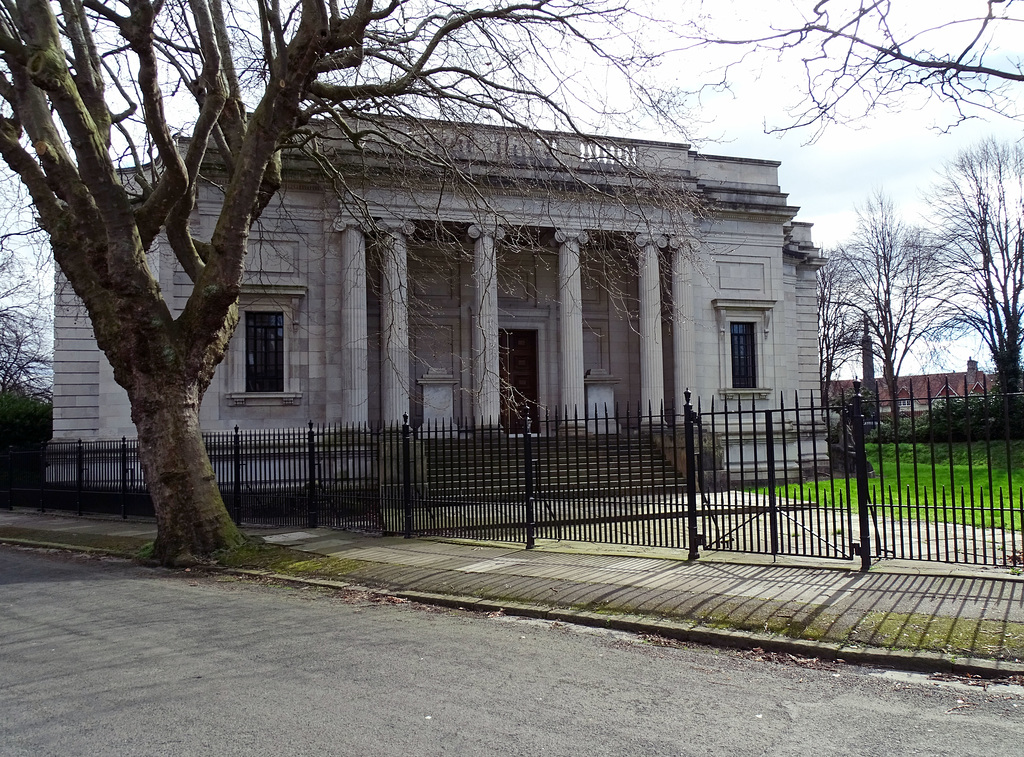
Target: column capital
{"type": "Point", "coordinates": [394, 226]}
{"type": "Point", "coordinates": [563, 235]}
{"type": "Point", "coordinates": [342, 223]}
{"type": "Point", "coordinates": [486, 229]}
{"type": "Point", "coordinates": [661, 241]}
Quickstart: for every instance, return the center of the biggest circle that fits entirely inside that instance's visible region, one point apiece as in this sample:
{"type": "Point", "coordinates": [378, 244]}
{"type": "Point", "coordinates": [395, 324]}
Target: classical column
{"type": "Point", "coordinates": [684, 347]}
{"type": "Point", "coordinates": [394, 306]}
{"type": "Point", "coordinates": [333, 303]}
{"type": "Point", "coordinates": [571, 321]}
{"type": "Point", "coordinates": [652, 366]}
{"type": "Point", "coordinates": [350, 368]}
{"type": "Point", "coordinates": [486, 368]}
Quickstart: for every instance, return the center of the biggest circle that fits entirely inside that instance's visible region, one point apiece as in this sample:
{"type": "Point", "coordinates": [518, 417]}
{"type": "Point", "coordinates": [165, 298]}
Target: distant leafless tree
{"type": "Point", "coordinates": [25, 319]}
{"type": "Point", "coordinates": [979, 204]}
{"type": "Point", "coordinates": [860, 55]}
{"type": "Point", "coordinates": [24, 357]}
{"type": "Point", "coordinates": [838, 322]}
{"type": "Point", "coordinates": [898, 285]}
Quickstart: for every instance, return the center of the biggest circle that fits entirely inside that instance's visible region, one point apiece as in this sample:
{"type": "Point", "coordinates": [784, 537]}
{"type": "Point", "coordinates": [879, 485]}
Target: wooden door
{"type": "Point", "coordinates": [519, 370]}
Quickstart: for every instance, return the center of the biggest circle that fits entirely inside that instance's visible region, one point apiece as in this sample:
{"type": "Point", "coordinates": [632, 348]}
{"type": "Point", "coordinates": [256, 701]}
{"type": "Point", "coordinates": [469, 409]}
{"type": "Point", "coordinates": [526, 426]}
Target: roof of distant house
{"type": "Point", "coordinates": [920, 387]}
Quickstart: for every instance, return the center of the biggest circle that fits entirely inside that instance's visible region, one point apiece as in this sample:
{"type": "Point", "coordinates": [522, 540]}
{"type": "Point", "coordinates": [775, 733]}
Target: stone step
{"type": "Point", "coordinates": [485, 468]}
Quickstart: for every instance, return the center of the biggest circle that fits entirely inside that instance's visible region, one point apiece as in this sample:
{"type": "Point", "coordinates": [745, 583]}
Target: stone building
{"type": "Point", "coordinates": [564, 272]}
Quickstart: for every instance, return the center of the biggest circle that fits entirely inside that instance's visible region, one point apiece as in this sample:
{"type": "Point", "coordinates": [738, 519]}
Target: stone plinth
{"type": "Point", "coordinates": [600, 400]}
{"type": "Point", "coordinates": [438, 400]}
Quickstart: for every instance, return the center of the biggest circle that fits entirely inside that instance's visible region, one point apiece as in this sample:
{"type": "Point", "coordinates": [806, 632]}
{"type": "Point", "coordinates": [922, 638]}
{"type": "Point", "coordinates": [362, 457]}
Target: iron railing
{"type": "Point", "coordinates": [942, 483]}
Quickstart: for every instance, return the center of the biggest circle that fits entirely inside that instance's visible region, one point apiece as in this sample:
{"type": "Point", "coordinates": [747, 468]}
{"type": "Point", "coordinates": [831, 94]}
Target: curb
{"type": "Point", "coordinates": [910, 660]}
{"type": "Point", "coordinates": [917, 661]}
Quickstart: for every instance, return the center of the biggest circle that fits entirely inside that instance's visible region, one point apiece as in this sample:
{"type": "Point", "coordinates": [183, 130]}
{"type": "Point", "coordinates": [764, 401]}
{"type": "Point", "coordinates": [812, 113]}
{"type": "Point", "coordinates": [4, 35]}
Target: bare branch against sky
{"type": "Point", "coordinates": [859, 57]}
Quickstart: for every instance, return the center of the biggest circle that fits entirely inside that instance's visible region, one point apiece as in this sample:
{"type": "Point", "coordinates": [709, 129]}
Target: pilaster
{"type": "Point", "coordinates": [684, 343]}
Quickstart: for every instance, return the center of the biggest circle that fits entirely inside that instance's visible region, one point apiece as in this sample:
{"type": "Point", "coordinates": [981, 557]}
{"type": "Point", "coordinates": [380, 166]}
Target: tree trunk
{"type": "Point", "coordinates": [1007, 362]}
{"type": "Point", "coordinates": [192, 521]}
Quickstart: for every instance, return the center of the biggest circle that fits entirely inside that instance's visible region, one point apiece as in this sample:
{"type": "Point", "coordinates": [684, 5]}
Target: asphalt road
{"type": "Point", "coordinates": [100, 657]}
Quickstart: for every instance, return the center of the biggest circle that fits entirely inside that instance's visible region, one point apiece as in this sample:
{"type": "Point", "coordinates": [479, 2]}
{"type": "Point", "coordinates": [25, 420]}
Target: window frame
{"type": "Point", "coordinates": [742, 335]}
{"type": "Point", "coordinates": [758, 313]}
{"type": "Point", "coordinates": [265, 344]}
{"type": "Point", "coordinates": [287, 300]}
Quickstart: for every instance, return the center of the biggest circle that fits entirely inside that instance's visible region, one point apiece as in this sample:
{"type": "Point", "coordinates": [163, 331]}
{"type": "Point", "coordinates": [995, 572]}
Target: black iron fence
{"type": "Point", "coordinates": [940, 483]}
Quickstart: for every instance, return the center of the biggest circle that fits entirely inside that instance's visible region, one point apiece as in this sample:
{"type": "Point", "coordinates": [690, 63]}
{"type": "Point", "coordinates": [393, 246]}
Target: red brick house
{"type": "Point", "coordinates": [913, 392]}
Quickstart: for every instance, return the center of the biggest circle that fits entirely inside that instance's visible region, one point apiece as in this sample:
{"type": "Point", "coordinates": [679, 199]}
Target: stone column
{"type": "Point", "coordinates": [394, 307]}
{"type": "Point", "coordinates": [570, 292]}
{"type": "Point", "coordinates": [333, 303]}
{"type": "Point", "coordinates": [351, 329]}
{"type": "Point", "coordinates": [486, 368]}
{"type": "Point", "coordinates": [652, 366]}
{"type": "Point", "coordinates": [684, 346]}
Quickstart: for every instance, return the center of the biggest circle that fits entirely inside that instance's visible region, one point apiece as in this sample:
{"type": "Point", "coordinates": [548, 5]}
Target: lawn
{"type": "Point", "coordinates": [969, 484]}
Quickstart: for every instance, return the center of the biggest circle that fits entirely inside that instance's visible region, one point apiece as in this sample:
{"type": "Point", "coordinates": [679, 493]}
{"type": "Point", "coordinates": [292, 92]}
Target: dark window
{"type": "Point", "coordinates": [264, 352]}
{"type": "Point", "coordinates": [744, 371]}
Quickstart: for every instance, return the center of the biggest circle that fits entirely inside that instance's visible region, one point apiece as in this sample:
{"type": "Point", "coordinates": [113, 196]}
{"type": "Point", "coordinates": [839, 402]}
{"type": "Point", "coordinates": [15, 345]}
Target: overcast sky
{"type": "Point", "coordinates": [898, 151]}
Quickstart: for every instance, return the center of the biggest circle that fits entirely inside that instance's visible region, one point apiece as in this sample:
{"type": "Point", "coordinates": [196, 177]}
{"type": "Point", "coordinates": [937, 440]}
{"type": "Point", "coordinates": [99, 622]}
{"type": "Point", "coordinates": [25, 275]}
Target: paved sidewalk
{"type": "Point", "coordinates": [916, 615]}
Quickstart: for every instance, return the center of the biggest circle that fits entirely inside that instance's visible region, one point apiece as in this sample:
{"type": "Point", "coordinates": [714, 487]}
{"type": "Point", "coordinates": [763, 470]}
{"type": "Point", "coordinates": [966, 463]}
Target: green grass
{"type": "Point", "coordinates": [254, 555]}
{"type": "Point", "coordinates": [918, 481]}
{"type": "Point", "coordinates": [124, 546]}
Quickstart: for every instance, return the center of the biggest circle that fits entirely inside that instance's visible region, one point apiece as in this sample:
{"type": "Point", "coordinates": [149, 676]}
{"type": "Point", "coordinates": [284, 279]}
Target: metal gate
{"type": "Point", "coordinates": [768, 485]}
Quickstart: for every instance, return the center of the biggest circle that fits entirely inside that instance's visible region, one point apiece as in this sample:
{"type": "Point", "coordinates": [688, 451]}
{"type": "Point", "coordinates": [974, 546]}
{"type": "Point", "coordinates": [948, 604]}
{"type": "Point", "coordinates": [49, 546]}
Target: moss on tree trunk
{"type": "Point", "coordinates": [192, 521]}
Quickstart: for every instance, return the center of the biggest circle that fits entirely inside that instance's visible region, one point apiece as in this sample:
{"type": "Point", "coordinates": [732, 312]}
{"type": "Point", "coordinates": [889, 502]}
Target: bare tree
{"type": "Point", "coordinates": [24, 357]}
{"type": "Point", "coordinates": [979, 205]}
{"type": "Point", "coordinates": [859, 55]}
{"type": "Point", "coordinates": [95, 95]}
{"type": "Point", "coordinates": [838, 322]}
{"type": "Point", "coordinates": [898, 285]}
{"type": "Point", "coordinates": [24, 319]}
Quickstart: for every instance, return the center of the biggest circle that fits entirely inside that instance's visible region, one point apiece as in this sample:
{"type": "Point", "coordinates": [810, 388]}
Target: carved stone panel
{"type": "Point", "coordinates": [742, 277]}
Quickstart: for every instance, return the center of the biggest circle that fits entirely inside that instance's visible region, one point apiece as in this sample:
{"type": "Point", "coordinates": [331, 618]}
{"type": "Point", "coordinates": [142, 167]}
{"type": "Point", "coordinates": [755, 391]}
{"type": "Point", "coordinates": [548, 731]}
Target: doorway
{"type": "Point", "coordinates": [519, 370]}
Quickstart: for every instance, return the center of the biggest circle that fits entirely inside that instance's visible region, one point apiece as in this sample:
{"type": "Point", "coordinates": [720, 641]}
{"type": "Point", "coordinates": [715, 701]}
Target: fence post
{"type": "Point", "coordinates": [406, 476]}
{"type": "Point", "coordinates": [861, 464]}
{"type": "Point", "coordinates": [773, 505]}
{"type": "Point", "coordinates": [311, 492]}
{"type": "Point", "coordinates": [124, 478]}
{"type": "Point", "coordinates": [42, 478]}
{"type": "Point", "coordinates": [236, 482]}
{"type": "Point", "coordinates": [531, 517]}
{"type": "Point", "coordinates": [10, 477]}
{"type": "Point", "coordinates": [692, 538]}
{"type": "Point", "coordinates": [79, 475]}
